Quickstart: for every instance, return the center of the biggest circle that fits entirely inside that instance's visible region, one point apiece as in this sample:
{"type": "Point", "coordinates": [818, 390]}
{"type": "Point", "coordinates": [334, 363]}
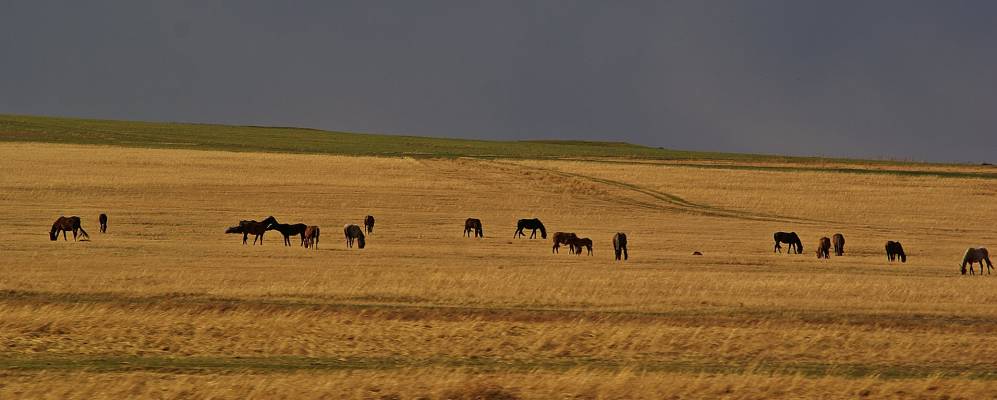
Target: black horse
{"type": "Point", "coordinates": [368, 224]}
{"type": "Point", "coordinates": [257, 229]}
{"type": "Point", "coordinates": [103, 223]}
{"type": "Point", "coordinates": [64, 224]}
{"type": "Point", "coordinates": [289, 230]}
{"type": "Point", "coordinates": [473, 225]}
{"type": "Point", "coordinates": [790, 238]}
{"type": "Point", "coordinates": [578, 242]}
{"type": "Point", "coordinates": [620, 245]}
{"type": "Point", "coordinates": [979, 254]}
{"type": "Point", "coordinates": [533, 224]}
{"type": "Point", "coordinates": [894, 251]}
{"type": "Point", "coordinates": [353, 233]}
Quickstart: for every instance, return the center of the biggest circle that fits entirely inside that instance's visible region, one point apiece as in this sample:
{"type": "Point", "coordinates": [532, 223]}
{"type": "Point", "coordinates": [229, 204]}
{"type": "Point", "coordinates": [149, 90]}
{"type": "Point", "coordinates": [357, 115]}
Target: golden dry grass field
{"type": "Point", "coordinates": [165, 305]}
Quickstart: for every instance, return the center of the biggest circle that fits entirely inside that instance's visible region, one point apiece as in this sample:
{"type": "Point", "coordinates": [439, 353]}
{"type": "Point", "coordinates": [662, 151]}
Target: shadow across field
{"type": "Point", "coordinates": [483, 364]}
{"type": "Point", "coordinates": [706, 316]}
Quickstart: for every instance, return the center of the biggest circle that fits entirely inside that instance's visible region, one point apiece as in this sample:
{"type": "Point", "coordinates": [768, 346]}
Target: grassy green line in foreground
{"type": "Point", "coordinates": [297, 363]}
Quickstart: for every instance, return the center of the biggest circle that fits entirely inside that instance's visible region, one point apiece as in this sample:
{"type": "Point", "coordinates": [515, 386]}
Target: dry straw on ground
{"type": "Point", "coordinates": [166, 305]}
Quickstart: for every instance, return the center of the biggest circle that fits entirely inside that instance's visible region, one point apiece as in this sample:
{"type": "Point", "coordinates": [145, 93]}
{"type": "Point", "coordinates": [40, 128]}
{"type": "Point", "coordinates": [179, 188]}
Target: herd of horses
{"type": "Point", "coordinates": [309, 238]}
{"type": "Point", "coordinates": [894, 250]}
{"type": "Point", "coordinates": [309, 234]}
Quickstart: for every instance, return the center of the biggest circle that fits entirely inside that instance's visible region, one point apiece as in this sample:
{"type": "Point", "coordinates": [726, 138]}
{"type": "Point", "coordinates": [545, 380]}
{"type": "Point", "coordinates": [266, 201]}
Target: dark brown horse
{"type": "Point", "coordinates": [533, 224]}
{"type": "Point", "coordinates": [368, 224]}
{"type": "Point", "coordinates": [839, 244]}
{"type": "Point", "coordinates": [894, 251]}
{"type": "Point", "coordinates": [577, 244]}
{"type": "Point", "coordinates": [620, 245]}
{"type": "Point", "coordinates": [564, 238]}
{"type": "Point", "coordinates": [353, 232]}
{"type": "Point", "coordinates": [473, 225]}
{"type": "Point", "coordinates": [824, 247]}
{"type": "Point", "coordinates": [250, 227]}
{"type": "Point", "coordinates": [310, 237]}
{"type": "Point", "coordinates": [288, 230]}
{"type": "Point", "coordinates": [790, 238]}
{"type": "Point", "coordinates": [979, 254]}
{"type": "Point", "coordinates": [64, 224]}
{"type": "Point", "coordinates": [103, 223]}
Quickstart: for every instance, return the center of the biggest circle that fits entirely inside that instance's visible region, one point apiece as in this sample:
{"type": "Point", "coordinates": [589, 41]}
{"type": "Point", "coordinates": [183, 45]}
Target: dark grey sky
{"type": "Point", "coordinates": [885, 79]}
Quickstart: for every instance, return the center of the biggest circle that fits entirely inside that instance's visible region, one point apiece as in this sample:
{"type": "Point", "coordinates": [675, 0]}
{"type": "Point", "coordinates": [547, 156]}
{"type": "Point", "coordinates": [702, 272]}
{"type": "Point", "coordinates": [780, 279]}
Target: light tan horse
{"type": "Point", "coordinates": [310, 237]}
{"type": "Point", "coordinates": [839, 244]}
{"type": "Point", "coordinates": [824, 247]}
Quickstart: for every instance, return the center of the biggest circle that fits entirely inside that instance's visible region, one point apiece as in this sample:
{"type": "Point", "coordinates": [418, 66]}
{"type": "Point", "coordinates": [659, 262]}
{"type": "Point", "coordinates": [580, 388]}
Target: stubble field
{"type": "Point", "coordinates": [166, 305]}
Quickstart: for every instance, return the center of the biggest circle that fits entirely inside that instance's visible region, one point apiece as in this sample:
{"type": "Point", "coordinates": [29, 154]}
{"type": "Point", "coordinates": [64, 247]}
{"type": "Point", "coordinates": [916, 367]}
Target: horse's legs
{"type": "Point", "coordinates": [625, 255]}
{"type": "Point", "coordinates": [533, 235]}
{"type": "Point", "coordinates": [777, 248]}
{"type": "Point", "coordinates": [245, 237]}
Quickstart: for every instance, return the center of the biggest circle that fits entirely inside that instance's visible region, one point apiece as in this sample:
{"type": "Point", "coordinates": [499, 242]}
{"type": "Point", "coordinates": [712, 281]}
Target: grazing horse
{"type": "Point", "coordinates": [894, 250]}
{"type": "Point", "coordinates": [368, 224]}
{"type": "Point", "coordinates": [353, 232]}
{"type": "Point", "coordinates": [533, 224]}
{"type": "Point", "coordinates": [310, 237]}
{"type": "Point", "coordinates": [976, 255]}
{"type": "Point", "coordinates": [257, 229]}
{"type": "Point", "coordinates": [620, 245]}
{"type": "Point", "coordinates": [578, 243]}
{"type": "Point", "coordinates": [790, 238]}
{"type": "Point", "coordinates": [103, 223]}
{"type": "Point", "coordinates": [289, 230]}
{"type": "Point", "coordinates": [824, 247]}
{"type": "Point", "coordinates": [564, 238]}
{"type": "Point", "coordinates": [64, 224]}
{"type": "Point", "coordinates": [473, 225]}
{"type": "Point", "coordinates": [839, 244]}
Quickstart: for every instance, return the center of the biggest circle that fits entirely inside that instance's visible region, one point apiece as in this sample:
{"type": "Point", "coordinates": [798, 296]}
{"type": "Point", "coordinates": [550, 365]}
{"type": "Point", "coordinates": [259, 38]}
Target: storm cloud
{"type": "Point", "coordinates": [882, 79]}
